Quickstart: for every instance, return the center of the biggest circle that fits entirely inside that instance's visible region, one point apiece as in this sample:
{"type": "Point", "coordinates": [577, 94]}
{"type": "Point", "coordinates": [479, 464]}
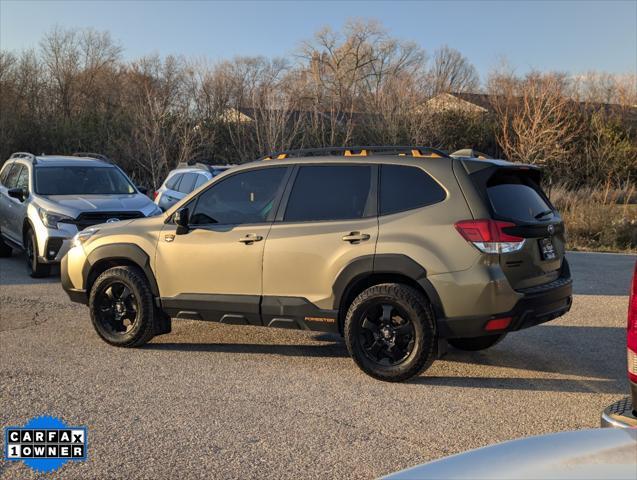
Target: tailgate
{"type": "Point", "coordinates": [514, 195]}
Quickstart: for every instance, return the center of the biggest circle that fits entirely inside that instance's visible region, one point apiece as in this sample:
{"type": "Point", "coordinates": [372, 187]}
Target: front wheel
{"type": "Point", "coordinates": [473, 344]}
{"type": "Point", "coordinates": [390, 332]}
{"type": "Point", "coordinates": [35, 268]}
{"type": "Point", "coordinates": [122, 308]}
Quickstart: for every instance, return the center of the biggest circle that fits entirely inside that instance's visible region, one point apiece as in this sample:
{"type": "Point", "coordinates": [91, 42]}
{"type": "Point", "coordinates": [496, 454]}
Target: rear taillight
{"type": "Point", "coordinates": [488, 235]}
{"type": "Point", "coordinates": [631, 331]}
{"type": "Point", "coordinates": [155, 193]}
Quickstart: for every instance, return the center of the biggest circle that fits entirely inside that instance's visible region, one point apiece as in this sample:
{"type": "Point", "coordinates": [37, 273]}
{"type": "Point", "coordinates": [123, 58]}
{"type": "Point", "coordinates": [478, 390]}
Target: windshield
{"type": "Point", "coordinates": [81, 181]}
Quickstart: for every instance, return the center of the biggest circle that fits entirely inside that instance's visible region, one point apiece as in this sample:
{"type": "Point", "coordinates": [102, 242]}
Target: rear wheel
{"type": "Point", "coordinates": [122, 308]}
{"type": "Point", "coordinates": [473, 344]}
{"type": "Point", "coordinates": [35, 268]}
{"type": "Point", "coordinates": [390, 332]}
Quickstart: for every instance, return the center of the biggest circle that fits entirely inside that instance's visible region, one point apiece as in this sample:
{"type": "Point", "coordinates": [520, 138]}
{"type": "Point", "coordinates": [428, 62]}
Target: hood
{"type": "Point", "coordinates": [576, 455]}
{"type": "Point", "coordinates": [73, 205]}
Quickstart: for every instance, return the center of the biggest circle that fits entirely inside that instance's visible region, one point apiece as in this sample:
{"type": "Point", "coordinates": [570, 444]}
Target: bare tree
{"type": "Point", "coordinates": [537, 120]}
{"type": "Point", "coordinates": [452, 72]}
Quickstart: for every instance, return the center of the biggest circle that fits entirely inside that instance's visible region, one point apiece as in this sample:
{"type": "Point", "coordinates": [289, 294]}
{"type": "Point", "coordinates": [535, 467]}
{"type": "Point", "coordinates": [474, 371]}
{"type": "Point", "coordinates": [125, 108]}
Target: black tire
{"type": "Point", "coordinates": [5, 250]}
{"type": "Point", "coordinates": [35, 268]}
{"type": "Point", "coordinates": [473, 344]}
{"type": "Point", "coordinates": [390, 332]}
{"type": "Point", "coordinates": [122, 309]}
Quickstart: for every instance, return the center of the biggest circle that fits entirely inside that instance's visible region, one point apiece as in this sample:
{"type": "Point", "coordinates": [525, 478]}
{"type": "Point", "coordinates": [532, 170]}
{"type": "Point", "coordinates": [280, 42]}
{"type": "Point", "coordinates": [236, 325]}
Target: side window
{"type": "Point", "coordinates": [201, 179]}
{"type": "Point", "coordinates": [174, 181]}
{"type": "Point", "coordinates": [187, 183]}
{"type": "Point", "coordinates": [12, 178]}
{"type": "Point", "coordinates": [23, 178]}
{"type": "Point", "coordinates": [246, 197]}
{"type": "Point", "coordinates": [405, 188]}
{"type": "Point", "coordinates": [4, 173]}
{"type": "Point", "coordinates": [329, 192]}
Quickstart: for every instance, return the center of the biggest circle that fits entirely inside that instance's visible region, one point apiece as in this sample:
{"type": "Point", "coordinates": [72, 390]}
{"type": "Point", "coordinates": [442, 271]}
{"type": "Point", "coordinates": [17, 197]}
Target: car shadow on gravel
{"type": "Point", "coordinates": [328, 350]}
{"type": "Point", "coordinates": [529, 384]}
{"type": "Point", "coordinates": [597, 354]}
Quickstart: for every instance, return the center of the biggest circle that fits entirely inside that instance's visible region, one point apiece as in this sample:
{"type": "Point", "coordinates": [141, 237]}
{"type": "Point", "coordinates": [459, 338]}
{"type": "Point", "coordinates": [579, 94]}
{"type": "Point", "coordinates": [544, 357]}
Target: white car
{"type": "Point", "coordinates": [183, 180]}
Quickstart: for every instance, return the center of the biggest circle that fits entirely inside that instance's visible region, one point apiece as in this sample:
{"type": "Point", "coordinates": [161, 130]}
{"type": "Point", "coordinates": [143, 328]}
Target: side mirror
{"type": "Point", "coordinates": [20, 193]}
{"type": "Point", "coordinates": [182, 220]}
{"type": "Point", "coordinates": [143, 190]}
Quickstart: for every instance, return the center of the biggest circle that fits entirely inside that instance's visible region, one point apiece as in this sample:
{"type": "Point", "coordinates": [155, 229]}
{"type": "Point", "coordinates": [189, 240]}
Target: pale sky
{"type": "Point", "coordinates": [572, 36]}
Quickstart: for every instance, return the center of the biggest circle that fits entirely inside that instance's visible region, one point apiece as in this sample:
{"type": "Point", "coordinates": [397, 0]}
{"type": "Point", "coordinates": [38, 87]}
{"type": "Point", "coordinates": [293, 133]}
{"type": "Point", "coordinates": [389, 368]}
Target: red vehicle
{"type": "Point", "coordinates": [623, 413]}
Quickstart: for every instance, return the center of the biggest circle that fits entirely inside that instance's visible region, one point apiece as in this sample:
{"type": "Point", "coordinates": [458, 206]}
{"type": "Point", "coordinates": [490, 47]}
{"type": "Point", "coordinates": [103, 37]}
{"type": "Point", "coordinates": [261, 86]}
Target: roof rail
{"type": "Point", "coordinates": [193, 164]}
{"type": "Point", "coordinates": [26, 155]}
{"type": "Point", "coordinates": [364, 151]}
{"type": "Point", "coordinates": [96, 156]}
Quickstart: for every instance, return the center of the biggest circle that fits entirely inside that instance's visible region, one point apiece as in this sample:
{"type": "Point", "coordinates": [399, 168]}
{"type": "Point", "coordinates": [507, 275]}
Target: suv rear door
{"type": "Point", "coordinates": [513, 194]}
{"type": "Point", "coordinates": [327, 219]}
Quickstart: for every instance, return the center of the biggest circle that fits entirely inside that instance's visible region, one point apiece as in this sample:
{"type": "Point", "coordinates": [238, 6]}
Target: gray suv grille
{"type": "Point", "coordinates": [88, 219]}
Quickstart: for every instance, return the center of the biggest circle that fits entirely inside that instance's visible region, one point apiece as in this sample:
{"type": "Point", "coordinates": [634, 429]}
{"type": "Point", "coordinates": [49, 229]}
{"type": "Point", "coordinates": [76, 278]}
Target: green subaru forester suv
{"type": "Point", "coordinates": [398, 249]}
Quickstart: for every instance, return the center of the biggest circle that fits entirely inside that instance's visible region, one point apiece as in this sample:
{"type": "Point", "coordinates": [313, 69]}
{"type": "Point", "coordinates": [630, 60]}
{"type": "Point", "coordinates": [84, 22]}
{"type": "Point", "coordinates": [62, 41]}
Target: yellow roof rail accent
{"type": "Point", "coordinates": [363, 153]}
{"type": "Point", "coordinates": [417, 153]}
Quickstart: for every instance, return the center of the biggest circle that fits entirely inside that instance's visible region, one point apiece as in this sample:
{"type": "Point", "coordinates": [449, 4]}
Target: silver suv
{"type": "Point", "coordinates": [46, 200]}
{"type": "Point", "coordinates": [186, 178]}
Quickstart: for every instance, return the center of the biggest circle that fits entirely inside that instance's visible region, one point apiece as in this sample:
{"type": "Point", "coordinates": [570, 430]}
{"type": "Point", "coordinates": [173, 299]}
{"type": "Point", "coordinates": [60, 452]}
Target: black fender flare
{"type": "Point", "coordinates": [385, 263]}
{"type": "Point", "coordinates": [121, 251]}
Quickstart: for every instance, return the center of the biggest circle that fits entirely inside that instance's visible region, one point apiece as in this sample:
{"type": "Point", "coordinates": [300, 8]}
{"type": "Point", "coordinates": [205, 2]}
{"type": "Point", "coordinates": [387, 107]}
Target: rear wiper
{"type": "Point", "coordinates": [543, 214]}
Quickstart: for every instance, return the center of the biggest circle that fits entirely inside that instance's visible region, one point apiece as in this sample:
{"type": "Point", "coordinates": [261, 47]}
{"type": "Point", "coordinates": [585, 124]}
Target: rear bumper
{"type": "Point", "coordinates": [537, 305]}
{"type": "Point", "coordinates": [621, 414]}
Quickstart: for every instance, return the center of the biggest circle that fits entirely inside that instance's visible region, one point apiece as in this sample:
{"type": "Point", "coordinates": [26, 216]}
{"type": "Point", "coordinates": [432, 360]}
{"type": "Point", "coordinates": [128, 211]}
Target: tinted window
{"type": "Point", "coordinates": [81, 181]}
{"type": "Point", "coordinates": [405, 188]}
{"type": "Point", "coordinates": [246, 197]}
{"type": "Point", "coordinates": [174, 181]}
{"type": "Point", "coordinates": [329, 192]}
{"type": "Point", "coordinates": [517, 197]}
{"type": "Point", "coordinates": [23, 178]}
{"type": "Point", "coordinates": [14, 173]}
{"type": "Point", "coordinates": [201, 179]}
{"type": "Point", "coordinates": [187, 183]}
{"type": "Point", "coordinates": [5, 172]}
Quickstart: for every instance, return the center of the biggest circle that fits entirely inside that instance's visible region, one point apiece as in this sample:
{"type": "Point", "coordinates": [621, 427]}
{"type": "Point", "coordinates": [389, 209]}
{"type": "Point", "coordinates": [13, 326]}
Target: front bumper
{"type": "Point", "coordinates": [537, 305]}
{"type": "Point", "coordinates": [78, 295]}
{"type": "Point", "coordinates": [621, 414]}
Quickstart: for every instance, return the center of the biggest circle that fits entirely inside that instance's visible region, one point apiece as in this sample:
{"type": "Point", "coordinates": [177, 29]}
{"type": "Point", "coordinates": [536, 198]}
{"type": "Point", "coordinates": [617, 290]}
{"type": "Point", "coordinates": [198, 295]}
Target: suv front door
{"type": "Point", "coordinates": [214, 272]}
{"type": "Point", "coordinates": [329, 222]}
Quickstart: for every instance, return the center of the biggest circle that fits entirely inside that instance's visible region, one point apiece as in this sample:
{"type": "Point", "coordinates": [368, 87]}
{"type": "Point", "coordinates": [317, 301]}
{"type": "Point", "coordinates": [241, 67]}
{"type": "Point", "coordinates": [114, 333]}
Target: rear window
{"type": "Point", "coordinates": [172, 182]}
{"type": "Point", "coordinates": [187, 183]}
{"type": "Point", "coordinates": [405, 188]}
{"type": "Point", "coordinates": [518, 197]}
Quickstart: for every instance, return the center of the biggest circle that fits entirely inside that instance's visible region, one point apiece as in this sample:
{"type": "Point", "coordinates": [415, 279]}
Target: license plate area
{"type": "Point", "coordinates": [547, 250]}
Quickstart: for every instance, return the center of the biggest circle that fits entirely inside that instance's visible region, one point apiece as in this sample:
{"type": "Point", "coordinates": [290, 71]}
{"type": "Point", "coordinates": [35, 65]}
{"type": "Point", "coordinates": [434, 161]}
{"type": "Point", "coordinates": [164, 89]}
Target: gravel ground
{"type": "Point", "coordinates": [212, 401]}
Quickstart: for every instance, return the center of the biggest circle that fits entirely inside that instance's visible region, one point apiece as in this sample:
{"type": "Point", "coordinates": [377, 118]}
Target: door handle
{"type": "Point", "coordinates": [250, 239]}
{"type": "Point", "coordinates": [355, 237]}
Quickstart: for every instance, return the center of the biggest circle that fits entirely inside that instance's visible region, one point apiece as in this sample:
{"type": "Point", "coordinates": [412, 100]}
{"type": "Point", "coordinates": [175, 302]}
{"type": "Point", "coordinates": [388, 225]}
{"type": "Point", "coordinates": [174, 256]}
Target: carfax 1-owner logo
{"type": "Point", "coordinates": [45, 443]}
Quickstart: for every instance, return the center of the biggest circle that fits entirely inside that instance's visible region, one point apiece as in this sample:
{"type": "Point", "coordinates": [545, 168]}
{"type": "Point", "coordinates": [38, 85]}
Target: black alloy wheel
{"type": "Point", "coordinates": [117, 308]}
{"type": "Point", "coordinates": [387, 333]}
